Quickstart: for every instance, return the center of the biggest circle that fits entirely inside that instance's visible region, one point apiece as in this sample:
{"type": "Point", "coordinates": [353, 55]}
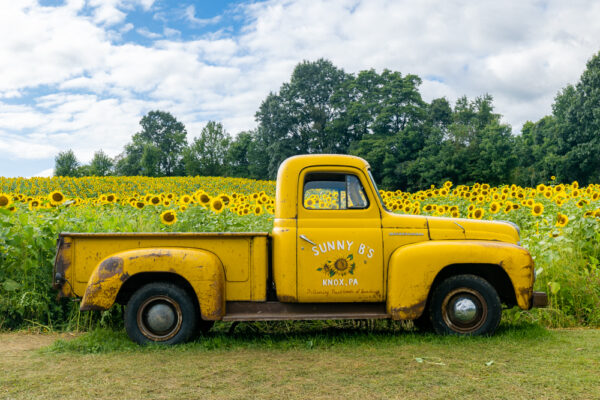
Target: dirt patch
{"type": "Point", "coordinates": [19, 342]}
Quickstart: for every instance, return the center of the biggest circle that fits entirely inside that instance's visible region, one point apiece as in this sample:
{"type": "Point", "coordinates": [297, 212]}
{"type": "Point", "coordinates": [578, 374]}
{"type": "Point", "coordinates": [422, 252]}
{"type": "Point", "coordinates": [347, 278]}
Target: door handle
{"type": "Point", "coordinates": [307, 239]}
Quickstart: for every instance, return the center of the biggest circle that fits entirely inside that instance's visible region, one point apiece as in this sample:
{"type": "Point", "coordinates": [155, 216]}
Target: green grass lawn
{"type": "Point", "coordinates": [308, 362]}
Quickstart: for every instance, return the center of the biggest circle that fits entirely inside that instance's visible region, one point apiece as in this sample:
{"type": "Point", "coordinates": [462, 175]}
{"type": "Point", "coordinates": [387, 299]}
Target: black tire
{"type": "Point", "coordinates": [465, 305]}
{"type": "Point", "coordinates": [423, 323]}
{"type": "Point", "coordinates": [203, 328]}
{"type": "Point", "coordinates": [161, 312]}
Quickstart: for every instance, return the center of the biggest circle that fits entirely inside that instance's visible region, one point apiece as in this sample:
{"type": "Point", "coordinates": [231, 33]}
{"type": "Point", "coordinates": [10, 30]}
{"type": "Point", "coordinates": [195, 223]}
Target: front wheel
{"type": "Point", "coordinates": [465, 305]}
{"type": "Point", "coordinates": [161, 312]}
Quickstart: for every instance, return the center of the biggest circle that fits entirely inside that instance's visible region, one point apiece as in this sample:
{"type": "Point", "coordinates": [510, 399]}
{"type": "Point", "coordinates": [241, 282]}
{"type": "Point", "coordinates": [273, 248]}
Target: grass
{"type": "Point", "coordinates": [311, 361]}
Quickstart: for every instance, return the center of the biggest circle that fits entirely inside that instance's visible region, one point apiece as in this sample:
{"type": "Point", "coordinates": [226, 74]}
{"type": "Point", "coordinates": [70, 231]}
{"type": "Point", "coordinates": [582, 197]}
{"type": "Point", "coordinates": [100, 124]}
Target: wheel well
{"type": "Point", "coordinates": [138, 280]}
{"type": "Point", "coordinates": [493, 273]}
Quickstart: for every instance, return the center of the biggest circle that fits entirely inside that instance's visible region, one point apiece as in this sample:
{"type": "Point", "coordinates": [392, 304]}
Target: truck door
{"type": "Point", "coordinates": [339, 257]}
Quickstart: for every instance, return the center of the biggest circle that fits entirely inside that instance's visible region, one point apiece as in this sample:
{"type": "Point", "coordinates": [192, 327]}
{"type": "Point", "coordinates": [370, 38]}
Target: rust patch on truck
{"type": "Point", "coordinates": [410, 312]}
{"type": "Point", "coordinates": [62, 263]}
{"type": "Point", "coordinates": [110, 267]}
{"type": "Point", "coordinates": [286, 299]}
{"type": "Point", "coordinates": [151, 255]}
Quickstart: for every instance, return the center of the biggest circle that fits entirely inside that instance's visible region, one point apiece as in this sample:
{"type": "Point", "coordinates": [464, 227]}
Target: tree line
{"type": "Point", "coordinates": [410, 143]}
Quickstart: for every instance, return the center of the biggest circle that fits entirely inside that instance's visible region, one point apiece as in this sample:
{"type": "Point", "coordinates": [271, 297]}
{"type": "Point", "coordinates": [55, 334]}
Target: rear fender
{"type": "Point", "coordinates": [202, 269]}
{"type": "Point", "coordinates": [413, 269]}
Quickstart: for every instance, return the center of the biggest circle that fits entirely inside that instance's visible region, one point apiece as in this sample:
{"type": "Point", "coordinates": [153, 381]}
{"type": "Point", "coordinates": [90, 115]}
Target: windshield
{"type": "Point", "coordinates": [377, 191]}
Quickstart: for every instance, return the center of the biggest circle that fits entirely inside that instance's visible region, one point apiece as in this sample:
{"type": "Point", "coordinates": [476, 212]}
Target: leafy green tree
{"type": "Point", "coordinates": [101, 164]}
{"type": "Point", "coordinates": [129, 162]}
{"type": "Point", "coordinates": [300, 118]}
{"type": "Point", "coordinates": [400, 103]}
{"type": "Point", "coordinates": [479, 148]}
{"type": "Point", "coordinates": [207, 154]}
{"type": "Point", "coordinates": [536, 152]}
{"type": "Point", "coordinates": [577, 113]}
{"type": "Point", "coordinates": [157, 150]}
{"type": "Point", "coordinates": [236, 159]}
{"type": "Point", "coordinates": [66, 164]}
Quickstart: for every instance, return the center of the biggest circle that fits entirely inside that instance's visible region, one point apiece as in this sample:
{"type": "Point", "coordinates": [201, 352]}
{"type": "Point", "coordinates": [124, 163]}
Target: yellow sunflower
{"type": "Point", "coordinates": [34, 205]}
{"type": "Point", "coordinates": [185, 199]}
{"type": "Point", "coordinates": [225, 199]}
{"type": "Point", "coordinates": [56, 198]}
{"type": "Point", "coordinates": [494, 207]}
{"type": "Point", "coordinates": [537, 209]}
{"type": "Point", "coordinates": [204, 199]}
{"type": "Point", "coordinates": [581, 203]}
{"type": "Point", "coordinates": [478, 213]}
{"type": "Point", "coordinates": [168, 217]}
{"type": "Point", "coordinates": [561, 220]}
{"type": "Point", "coordinates": [5, 200]}
{"type": "Point", "coordinates": [155, 200]}
{"type": "Point", "coordinates": [216, 205]}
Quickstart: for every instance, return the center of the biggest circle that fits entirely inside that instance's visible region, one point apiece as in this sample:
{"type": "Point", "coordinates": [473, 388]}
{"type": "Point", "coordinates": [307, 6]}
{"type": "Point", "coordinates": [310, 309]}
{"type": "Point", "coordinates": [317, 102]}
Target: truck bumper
{"type": "Point", "coordinates": [539, 299]}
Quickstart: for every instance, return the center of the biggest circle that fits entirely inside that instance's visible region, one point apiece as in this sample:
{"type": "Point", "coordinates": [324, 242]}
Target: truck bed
{"type": "Point", "coordinates": [244, 257]}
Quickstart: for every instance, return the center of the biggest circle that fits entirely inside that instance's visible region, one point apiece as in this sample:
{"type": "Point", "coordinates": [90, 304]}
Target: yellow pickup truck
{"type": "Point", "coordinates": [335, 252]}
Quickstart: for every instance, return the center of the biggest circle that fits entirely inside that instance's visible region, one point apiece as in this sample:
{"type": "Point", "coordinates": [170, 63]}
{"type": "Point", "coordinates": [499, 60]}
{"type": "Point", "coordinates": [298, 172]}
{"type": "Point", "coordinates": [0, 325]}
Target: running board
{"type": "Point", "coordinates": [276, 311]}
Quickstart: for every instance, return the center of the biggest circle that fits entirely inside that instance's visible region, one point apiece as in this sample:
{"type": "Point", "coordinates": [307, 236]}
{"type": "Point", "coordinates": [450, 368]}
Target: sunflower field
{"type": "Point", "coordinates": [560, 225]}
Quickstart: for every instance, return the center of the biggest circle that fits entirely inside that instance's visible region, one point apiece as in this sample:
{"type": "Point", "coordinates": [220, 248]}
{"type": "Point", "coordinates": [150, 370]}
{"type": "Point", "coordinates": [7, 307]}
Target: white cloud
{"type": "Point", "coordinates": [146, 33]}
{"type": "Point", "coordinates": [520, 52]}
{"type": "Point", "coordinates": [190, 15]}
{"type": "Point", "coordinates": [126, 28]}
{"type": "Point", "coordinates": [45, 173]}
{"type": "Point", "coordinates": [112, 12]}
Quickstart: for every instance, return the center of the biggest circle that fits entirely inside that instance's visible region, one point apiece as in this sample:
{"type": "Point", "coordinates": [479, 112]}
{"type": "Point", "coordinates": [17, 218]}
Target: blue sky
{"type": "Point", "coordinates": [79, 74]}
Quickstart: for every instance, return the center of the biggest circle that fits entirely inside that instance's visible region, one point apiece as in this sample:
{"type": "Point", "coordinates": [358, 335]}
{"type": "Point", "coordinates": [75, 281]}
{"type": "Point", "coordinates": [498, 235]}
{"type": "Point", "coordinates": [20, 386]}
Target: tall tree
{"type": "Point", "coordinates": [207, 154]}
{"type": "Point", "coordinates": [536, 152]}
{"type": "Point", "coordinates": [66, 164]}
{"type": "Point", "coordinates": [577, 112]}
{"type": "Point", "coordinates": [157, 150]}
{"type": "Point", "coordinates": [299, 119]}
{"type": "Point", "coordinates": [101, 164]}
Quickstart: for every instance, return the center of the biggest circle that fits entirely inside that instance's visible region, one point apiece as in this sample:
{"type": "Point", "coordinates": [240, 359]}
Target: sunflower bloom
{"type": "Point", "coordinates": [216, 205]}
{"type": "Point", "coordinates": [168, 217]}
{"type": "Point", "coordinates": [155, 200]}
{"type": "Point", "coordinates": [56, 198]}
{"type": "Point", "coordinates": [34, 205]}
{"type": "Point", "coordinates": [5, 200]}
{"type": "Point", "coordinates": [185, 199]}
{"type": "Point", "coordinates": [204, 199]}
{"type": "Point", "coordinates": [581, 203]}
{"type": "Point", "coordinates": [478, 213]}
{"type": "Point", "coordinates": [537, 209]}
{"type": "Point", "coordinates": [561, 220]}
{"type": "Point", "coordinates": [494, 207]}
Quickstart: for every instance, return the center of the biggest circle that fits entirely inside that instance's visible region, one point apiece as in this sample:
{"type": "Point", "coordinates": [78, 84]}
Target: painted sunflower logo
{"type": "Point", "coordinates": [341, 265]}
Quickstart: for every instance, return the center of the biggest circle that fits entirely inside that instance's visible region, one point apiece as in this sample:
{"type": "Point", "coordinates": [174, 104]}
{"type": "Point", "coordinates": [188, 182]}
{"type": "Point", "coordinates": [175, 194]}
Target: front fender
{"type": "Point", "coordinates": [202, 269]}
{"type": "Point", "coordinates": [412, 270]}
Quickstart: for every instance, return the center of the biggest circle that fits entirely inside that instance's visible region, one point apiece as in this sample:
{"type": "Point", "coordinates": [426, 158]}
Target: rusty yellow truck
{"type": "Point", "coordinates": [335, 252]}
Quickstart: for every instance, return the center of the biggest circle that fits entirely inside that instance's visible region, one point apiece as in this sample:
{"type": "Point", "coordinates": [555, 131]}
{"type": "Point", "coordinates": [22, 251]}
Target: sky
{"type": "Point", "coordinates": [80, 74]}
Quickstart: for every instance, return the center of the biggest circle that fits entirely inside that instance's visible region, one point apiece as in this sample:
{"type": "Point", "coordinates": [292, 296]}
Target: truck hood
{"type": "Point", "coordinates": [458, 228]}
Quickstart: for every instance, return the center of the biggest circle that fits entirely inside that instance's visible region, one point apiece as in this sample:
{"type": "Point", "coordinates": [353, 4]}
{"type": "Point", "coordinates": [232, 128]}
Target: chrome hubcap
{"type": "Point", "coordinates": [160, 317]}
{"type": "Point", "coordinates": [464, 310]}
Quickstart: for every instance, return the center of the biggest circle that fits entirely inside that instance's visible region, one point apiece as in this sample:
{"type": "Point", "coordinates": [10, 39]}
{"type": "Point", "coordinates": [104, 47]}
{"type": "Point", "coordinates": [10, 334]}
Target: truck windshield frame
{"type": "Point", "coordinates": [376, 190]}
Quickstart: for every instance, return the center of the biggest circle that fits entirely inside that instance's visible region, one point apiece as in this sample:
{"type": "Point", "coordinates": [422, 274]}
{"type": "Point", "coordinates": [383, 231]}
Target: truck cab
{"type": "Point", "coordinates": [335, 252]}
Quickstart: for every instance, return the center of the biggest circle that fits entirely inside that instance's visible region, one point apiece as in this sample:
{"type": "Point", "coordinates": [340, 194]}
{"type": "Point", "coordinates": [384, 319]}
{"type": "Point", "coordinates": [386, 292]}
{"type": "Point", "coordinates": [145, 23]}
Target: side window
{"type": "Point", "coordinates": [331, 191]}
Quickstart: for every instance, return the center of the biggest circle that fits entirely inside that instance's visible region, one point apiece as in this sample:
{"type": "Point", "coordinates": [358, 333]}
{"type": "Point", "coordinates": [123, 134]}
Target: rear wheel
{"type": "Point", "coordinates": [161, 312]}
{"type": "Point", "coordinates": [465, 305]}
